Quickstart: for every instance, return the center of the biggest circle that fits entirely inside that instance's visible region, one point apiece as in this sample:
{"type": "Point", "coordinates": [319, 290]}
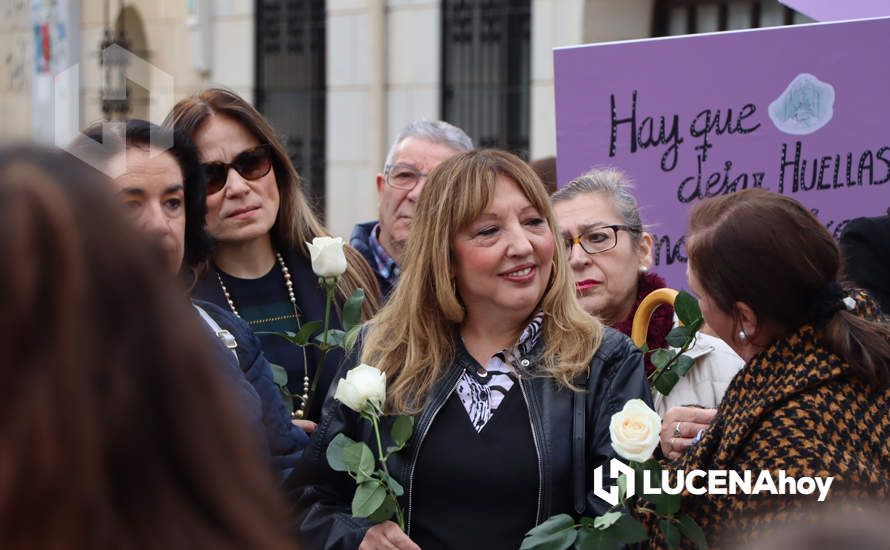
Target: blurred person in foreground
{"type": "Point", "coordinates": [162, 193]}
{"type": "Point", "coordinates": [862, 527]}
{"type": "Point", "coordinates": [484, 342]}
{"type": "Point", "coordinates": [104, 443]}
{"type": "Point", "coordinates": [812, 398]}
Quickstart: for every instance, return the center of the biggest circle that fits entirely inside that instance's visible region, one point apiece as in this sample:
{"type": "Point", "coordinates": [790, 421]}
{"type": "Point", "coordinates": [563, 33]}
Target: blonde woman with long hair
{"type": "Point", "coordinates": [512, 384]}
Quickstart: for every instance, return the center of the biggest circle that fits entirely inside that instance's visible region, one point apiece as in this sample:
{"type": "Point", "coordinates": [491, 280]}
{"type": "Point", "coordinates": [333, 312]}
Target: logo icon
{"type": "Point", "coordinates": [616, 468]}
{"type": "Point", "coordinates": [66, 107]}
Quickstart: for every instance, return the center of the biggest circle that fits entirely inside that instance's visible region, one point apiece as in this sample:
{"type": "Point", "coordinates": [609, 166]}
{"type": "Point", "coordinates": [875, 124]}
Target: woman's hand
{"type": "Point", "coordinates": [680, 426]}
{"type": "Point", "coordinates": [307, 426]}
{"type": "Point", "coordinates": [387, 536]}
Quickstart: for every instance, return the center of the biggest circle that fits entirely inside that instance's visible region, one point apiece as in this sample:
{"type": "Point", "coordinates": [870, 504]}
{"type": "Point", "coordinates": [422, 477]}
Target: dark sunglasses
{"type": "Point", "coordinates": [251, 164]}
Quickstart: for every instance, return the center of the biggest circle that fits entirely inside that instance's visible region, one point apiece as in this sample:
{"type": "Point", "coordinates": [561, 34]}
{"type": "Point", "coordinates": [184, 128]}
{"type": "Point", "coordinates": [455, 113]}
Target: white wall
{"type": "Point", "coordinates": [169, 47]}
{"type": "Point", "coordinates": [383, 71]}
{"type": "Point", "coordinates": [607, 20]}
{"type": "Point", "coordinates": [554, 23]}
{"type": "Point", "coordinates": [349, 172]}
{"type": "Point", "coordinates": [414, 59]}
{"type": "Point", "coordinates": [234, 47]}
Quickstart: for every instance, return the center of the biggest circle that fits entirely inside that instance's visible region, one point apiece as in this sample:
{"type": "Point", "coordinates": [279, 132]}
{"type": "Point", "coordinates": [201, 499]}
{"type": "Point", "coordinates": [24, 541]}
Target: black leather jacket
{"type": "Point", "coordinates": [322, 496]}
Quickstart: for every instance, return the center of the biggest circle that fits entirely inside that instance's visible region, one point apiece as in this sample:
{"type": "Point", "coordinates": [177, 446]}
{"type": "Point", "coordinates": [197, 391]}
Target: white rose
{"type": "Point", "coordinates": [327, 256]}
{"type": "Point", "coordinates": [363, 386]}
{"type": "Point", "coordinates": [635, 431]}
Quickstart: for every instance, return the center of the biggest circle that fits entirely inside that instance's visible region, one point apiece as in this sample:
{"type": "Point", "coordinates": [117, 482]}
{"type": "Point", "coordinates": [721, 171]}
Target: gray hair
{"type": "Point", "coordinates": [435, 131]}
{"type": "Point", "coordinates": [613, 185]}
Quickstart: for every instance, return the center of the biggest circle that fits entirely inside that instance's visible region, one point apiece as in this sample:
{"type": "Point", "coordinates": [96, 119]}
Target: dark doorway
{"type": "Point", "coordinates": [486, 71]}
{"type": "Point", "coordinates": [290, 84]}
{"type": "Point", "coordinates": [674, 17]}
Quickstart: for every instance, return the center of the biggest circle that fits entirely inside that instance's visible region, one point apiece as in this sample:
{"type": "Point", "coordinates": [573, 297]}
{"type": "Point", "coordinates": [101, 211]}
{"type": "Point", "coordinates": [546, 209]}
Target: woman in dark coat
{"type": "Point", "coordinates": [813, 396]}
{"type": "Point", "coordinates": [162, 192]}
{"type": "Point", "coordinates": [485, 344]}
{"type": "Point", "coordinates": [261, 222]}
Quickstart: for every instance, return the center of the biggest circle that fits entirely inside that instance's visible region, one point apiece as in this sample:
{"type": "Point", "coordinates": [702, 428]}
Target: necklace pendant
{"type": "Point", "coordinates": [230, 342]}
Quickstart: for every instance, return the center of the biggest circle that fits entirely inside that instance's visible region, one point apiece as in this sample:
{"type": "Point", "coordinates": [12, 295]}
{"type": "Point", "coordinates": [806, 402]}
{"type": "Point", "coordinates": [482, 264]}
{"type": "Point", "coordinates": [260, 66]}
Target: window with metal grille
{"type": "Point", "coordinates": [672, 17]}
{"type": "Point", "coordinates": [486, 70]}
{"type": "Point", "coordinates": [290, 83]}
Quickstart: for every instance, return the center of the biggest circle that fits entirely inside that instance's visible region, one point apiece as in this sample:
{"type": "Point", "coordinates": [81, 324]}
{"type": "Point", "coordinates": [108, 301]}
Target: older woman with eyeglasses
{"type": "Point", "coordinates": [261, 221]}
{"type": "Point", "coordinates": [611, 257]}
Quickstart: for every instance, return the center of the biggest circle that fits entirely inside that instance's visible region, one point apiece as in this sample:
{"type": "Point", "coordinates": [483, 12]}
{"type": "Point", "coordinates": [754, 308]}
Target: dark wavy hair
{"type": "Point", "coordinates": [771, 253]}
{"type": "Point", "coordinates": [142, 134]}
{"type": "Point", "coordinates": [296, 222]}
{"type": "Point", "coordinates": [116, 430]}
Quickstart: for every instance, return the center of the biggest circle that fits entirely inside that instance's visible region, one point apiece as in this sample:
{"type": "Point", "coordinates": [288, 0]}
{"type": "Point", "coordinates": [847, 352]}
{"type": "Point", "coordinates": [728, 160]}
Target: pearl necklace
{"type": "Point", "coordinates": [301, 412]}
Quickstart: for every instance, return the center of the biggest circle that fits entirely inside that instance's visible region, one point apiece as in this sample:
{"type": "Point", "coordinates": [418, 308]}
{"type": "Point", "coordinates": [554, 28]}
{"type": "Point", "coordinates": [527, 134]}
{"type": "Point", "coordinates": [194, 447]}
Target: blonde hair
{"type": "Point", "coordinates": [296, 223]}
{"type": "Point", "coordinates": [412, 338]}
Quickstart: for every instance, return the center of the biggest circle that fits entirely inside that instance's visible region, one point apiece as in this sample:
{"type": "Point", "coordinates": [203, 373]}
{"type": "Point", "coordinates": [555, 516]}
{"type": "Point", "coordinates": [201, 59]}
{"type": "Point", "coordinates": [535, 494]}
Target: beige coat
{"type": "Point", "coordinates": [706, 382]}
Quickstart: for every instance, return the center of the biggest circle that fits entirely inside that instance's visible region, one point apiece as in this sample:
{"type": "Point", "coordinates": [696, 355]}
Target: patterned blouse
{"type": "Point", "coordinates": [482, 390]}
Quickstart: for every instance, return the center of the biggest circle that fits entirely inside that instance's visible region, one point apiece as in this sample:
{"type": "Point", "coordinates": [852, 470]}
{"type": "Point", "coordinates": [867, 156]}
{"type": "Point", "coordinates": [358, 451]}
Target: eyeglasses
{"type": "Point", "coordinates": [251, 164]}
{"type": "Point", "coordinates": [599, 239]}
{"type": "Point", "coordinates": [403, 176]}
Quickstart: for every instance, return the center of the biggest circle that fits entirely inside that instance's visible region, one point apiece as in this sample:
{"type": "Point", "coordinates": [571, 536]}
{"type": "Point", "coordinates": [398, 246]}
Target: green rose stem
{"type": "Point", "coordinates": [330, 286]}
{"type": "Point", "coordinates": [373, 418]}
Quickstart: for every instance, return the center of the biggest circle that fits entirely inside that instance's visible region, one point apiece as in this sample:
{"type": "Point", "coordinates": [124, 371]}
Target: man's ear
{"type": "Point", "coordinates": [380, 184]}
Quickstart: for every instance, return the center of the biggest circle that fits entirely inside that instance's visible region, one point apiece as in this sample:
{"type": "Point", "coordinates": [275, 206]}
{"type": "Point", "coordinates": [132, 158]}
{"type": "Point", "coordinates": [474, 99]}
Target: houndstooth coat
{"type": "Point", "coordinates": [795, 407]}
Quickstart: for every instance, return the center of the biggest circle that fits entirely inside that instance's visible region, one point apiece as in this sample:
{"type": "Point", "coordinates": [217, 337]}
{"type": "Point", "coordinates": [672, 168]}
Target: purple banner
{"type": "Point", "coordinates": [799, 110]}
{"type": "Point", "coordinates": [840, 10]}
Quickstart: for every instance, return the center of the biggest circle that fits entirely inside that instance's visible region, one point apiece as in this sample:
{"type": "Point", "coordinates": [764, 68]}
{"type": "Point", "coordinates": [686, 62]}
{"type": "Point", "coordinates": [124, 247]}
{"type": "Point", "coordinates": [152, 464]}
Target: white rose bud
{"type": "Point", "coordinates": [363, 387]}
{"type": "Point", "coordinates": [328, 260]}
{"type": "Point", "coordinates": [635, 431]}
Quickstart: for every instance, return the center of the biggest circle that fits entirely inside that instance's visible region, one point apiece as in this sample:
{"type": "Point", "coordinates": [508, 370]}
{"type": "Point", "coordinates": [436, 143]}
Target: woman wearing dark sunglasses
{"type": "Point", "coordinates": [611, 257]}
{"type": "Point", "coordinates": [260, 221]}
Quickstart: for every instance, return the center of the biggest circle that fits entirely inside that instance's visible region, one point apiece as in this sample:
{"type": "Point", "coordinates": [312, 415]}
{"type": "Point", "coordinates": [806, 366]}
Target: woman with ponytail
{"type": "Point", "coordinates": [812, 398]}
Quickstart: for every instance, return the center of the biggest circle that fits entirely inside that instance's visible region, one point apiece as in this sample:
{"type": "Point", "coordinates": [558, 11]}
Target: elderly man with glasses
{"type": "Point", "coordinates": [419, 148]}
